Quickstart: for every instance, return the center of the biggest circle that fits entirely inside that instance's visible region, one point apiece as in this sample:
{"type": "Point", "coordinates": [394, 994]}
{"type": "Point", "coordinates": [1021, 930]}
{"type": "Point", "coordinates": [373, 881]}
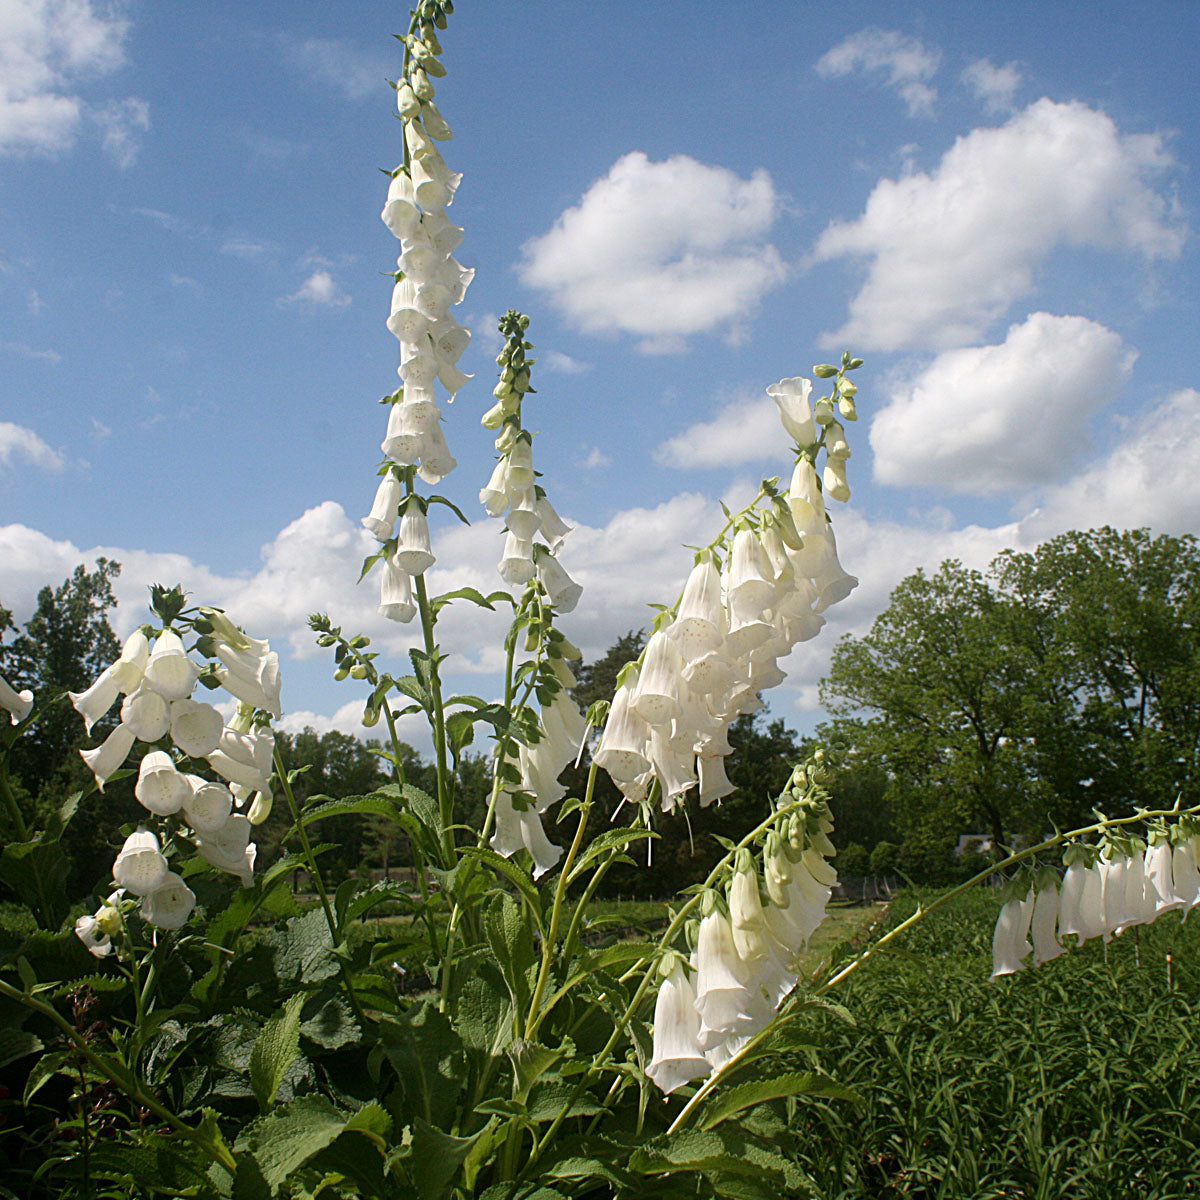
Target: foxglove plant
{"type": "Point", "coordinates": [158, 676]}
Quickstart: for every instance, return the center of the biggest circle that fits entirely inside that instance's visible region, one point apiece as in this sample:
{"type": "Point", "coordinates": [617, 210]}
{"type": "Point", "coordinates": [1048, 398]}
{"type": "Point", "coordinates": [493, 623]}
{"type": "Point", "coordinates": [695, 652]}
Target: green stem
{"type": "Point", "coordinates": [10, 801]}
{"type": "Point", "coordinates": [533, 1020]}
{"type": "Point", "coordinates": [315, 875]}
{"type": "Point", "coordinates": [216, 1150]}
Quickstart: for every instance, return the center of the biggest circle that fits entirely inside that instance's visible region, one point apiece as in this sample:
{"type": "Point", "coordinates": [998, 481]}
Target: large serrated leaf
{"type": "Point", "coordinates": [485, 1014]}
{"type": "Point", "coordinates": [436, 1159]}
{"type": "Point", "coordinates": [428, 1059]}
{"type": "Point", "coordinates": [286, 1139]}
{"type": "Point", "coordinates": [511, 939]}
{"type": "Point", "coordinates": [16, 1043]}
{"type": "Point", "coordinates": [275, 1049]}
{"type": "Point", "coordinates": [373, 804]}
{"type": "Point", "coordinates": [332, 1025]}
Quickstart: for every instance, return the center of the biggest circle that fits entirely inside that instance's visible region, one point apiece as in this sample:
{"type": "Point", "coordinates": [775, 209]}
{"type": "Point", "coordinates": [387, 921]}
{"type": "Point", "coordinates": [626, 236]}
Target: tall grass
{"type": "Point", "coordinates": [1079, 1079]}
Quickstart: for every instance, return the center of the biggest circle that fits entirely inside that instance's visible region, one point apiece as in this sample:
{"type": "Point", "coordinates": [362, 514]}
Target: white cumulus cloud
{"type": "Point", "coordinates": [907, 62]}
{"type": "Point", "coordinates": [746, 430]}
{"type": "Point", "coordinates": [355, 73]}
{"type": "Point", "coordinates": [1150, 479]}
{"type": "Point", "coordinates": [986, 418]}
{"type": "Point", "coordinates": [319, 288]}
{"type": "Point", "coordinates": [661, 250]}
{"type": "Point", "coordinates": [18, 442]}
{"type": "Point", "coordinates": [951, 251]}
{"type": "Point", "coordinates": [47, 49]}
{"type": "Point", "coordinates": [994, 86]}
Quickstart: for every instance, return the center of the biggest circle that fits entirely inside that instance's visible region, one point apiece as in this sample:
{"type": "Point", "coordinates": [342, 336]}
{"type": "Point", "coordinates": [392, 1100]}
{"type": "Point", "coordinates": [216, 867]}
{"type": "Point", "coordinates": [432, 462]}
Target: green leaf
{"type": "Point", "coordinates": [373, 804]}
{"type": "Point", "coordinates": [428, 1059]}
{"type": "Point", "coordinates": [465, 593]}
{"type": "Point", "coordinates": [275, 1049]}
{"type": "Point", "coordinates": [16, 1043]}
{"type": "Point", "coordinates": [436, 1158]}
{"type": "Point", "coordinates": [459, 514]}
{"type": "Point", "coordinates": [758, 1091]}
{"type": "Point", "coordinates": [519, 878]}
{"type": "Point", "coordinates": [286, 1139]}
{"type": "Point", "coordinates": [530, 1062]}
{"type": "Point", "coordinates": [303, 949]}
{"type": "Point", "coordinates": [36, 871]}
{"type": "Point", "coordinates": [484, 1016]}
{"type": "Point", "coordinates": [610, 839]}
{"type": "Point", "coordinates": [332, 1025]}
{"type": "Point", "coordinates": [511, 940]}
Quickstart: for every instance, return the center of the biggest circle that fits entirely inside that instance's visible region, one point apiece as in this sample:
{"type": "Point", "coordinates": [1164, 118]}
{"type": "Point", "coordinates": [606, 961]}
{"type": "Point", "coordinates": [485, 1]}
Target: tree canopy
{"type": "Point", "coordinates": [1061, 679]}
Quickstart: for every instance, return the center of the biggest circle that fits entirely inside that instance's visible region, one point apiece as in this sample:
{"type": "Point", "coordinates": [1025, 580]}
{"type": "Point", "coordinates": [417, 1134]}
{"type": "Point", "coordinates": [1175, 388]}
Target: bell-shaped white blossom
{"type": "Point", "coordinates": [833, 584]}
{"type": "Point", "coordinates": [170, 904]}
{"type": "Point", "coordinates": [207, 805]}
{"type": "Point", "coordinates": [251, 674]}
{"type": "Point", "coordinates": [656, 698]}
{"type": "Point", "coordinates": [1010, 943]}
{"type": "Point", "coordinates": [712, 674]}
{"type": "Point", "coordinates": [554, 528]}
{"type": "Point", "coordinates": [521, 829]}
{"type": "Point", "coordinates": [791, 396]}
{"type": "Point", "coordinates": [1070, 898]}
{"type": "Point", "coordinates": [413, 552]}
{"type": "Point", "coordinates": [494, 495]}
{"type": "Point", "coordinates": [140, 867]}
{"type": "Point", "coordinates": [400, 213]}
{"type": "Point", "coordinates": [714, 782]}
{"type": "Point", "coordinates": [522, 518]}
{"type": "Point", "coordinates": [751, 584]}
{"type": "Point", "coordinates": [516, 564]}
{"type": "Point", "coordinates": [436, 460]}
{"type": "Point", "coordinates": [726, 1005]}
{"type": "Point", "coordinates": [135, 653]}
{"type": "Point", "coordinates": [380, 522]}
{"type": "Point", "coordinates": [169, 670]}
{"type": "Point", "coordinates": [160, 787]}
{"type": "Point", "coordinates": [109, 755]}
{"type": "Point", "coordinates": [95, 701]}
{"type": "Point", "coordinates": [1092, 920]}
{"type": "Point", "coordinates": [563, 591]}
{"type": "Point", "coordinates": [229, 848]}
{"type": "Point", "coordinates": [834, 478]}
{"type": "Point", "coordinates": [676, 1058]}
{"type": "Point", "coordinates": [699, 620]}
{"type": "Point", "coordinates": [411, 425]}
{"type": "Point", "coordinates": [195, 727]}
{"type": "Point", "coordinates": [395, 593]}
{"type": "Point", "coordinates": [1184, 872]}
{"type": "Point", "coordinates": [623, 744]}
{"type": "Point", "coordinates": [746, 914]}
{"type": "Point", "coordinates": [804, 497]}
{"type": "Point", "coordinates": [89, 931]}
{"type": "Point", "coordinates": [1046, 945]}
{"type": "Point", "coordinates": [675, 771]}
{"type": "Point", "coordinates": [146, 714]}
{"type": "Point", "coordinates": [1160, 876]}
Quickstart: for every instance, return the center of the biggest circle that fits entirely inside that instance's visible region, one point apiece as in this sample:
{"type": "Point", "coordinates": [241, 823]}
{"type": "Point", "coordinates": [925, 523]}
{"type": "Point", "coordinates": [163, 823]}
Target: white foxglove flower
{"type": "Point", "coordinates": [410, 424]}
{"type": "Point", "coordinates": [263, 692]}
{"type": "Point", "coordinates": [1070, 899]}
{"type": "Point", "coordinates": [676, 772]}
{"type": "Point", "coordinates": [229, 848]}
{"type": "Point", "coordinates": [746, 913]}
{"type": "Point", "coordinates": [169, 906]}
{"type": "Point", "coordinates": [160, 787]}
{"type": "Point", "coordinates": [1185, 874]}
{"type": "Point", "coordinates": [195, 727]}
{"type": "Point", "coordinates": [523, 519]}
{"type": "Point", "coordinates": [109, 755]}
{"type": "Point", "coordinates": [436, 460]}
{"type": "Point", "coordinates": [1046, 945]}
{"type": "Point", "coordinates": [207, 805]}
{"type": "Point", "coordinates": [833, 584]}
{"type": "Point", "coordinates": [90, 933]}
{"type": "Point", "coordinates": [623, 744]}
{"type": "Point", "coordinates": [93, 703]}
{"type": "Point", "coordinates": [656, 698]}
{"type": "Point", "coordinates": [434, 122]}
{"type": "Point", "coordinates": [837, 449]}
{"type": "Point", "coordinates": [1113, 867]}
{"type": "Point", "coordinates": [135, 653]}
{"type": "Point", "coordinates": [1092, 922]}
{"type": "Point", "coordinates": [726, 1005]}
{"type": "Point", "coordinates": [554, 528]}
{"type": "Point", "coordinates": [1140, 897]}
{"type": "Point", "coordinates": [516, 563]}
{"type": "Point", "coordinates": [380, 522]}
{"type": "Point", "coordinates": [834, 479]}
{"type": "Point", "coordinates": [406, 321]}
{"type": "Point", "coordinates": [1160, 876]}
{"type": "Point", "coordinates": [169, 671]}
{"type": "Point", "coordinates": [748, 626]}
{"type": "Point", "coordinates": [520, 465]}
{"type": "Point", "coordinates": [395, 593]}
{"type": "Point", "coordinates": [714, 783]}
{"type": "Point", "coordinates": [413, 554]}
{"type": "Point", "coordinates": [434, 182]}
{"type": "Point", "coordinates": [494, 495]}
{"type": "Point", "coordinates": [446, 236]}
{"type": "Point", "coordinates": [400, 213]}
{"type": "Point", "coordinates": [712, 674]}
{"type": "Point", "coordinates": [804, 498]}
{"type": "Point", "coordinates": [522, 830]}
{"type": "Point", "coordinates": [1010, 944]}
{"type": "Point", "coordinates": [563, 591]}
{"type": "Point", "coordinates": [677, 1057]}
{"type": "Point", "coordinates": [418, 365]}
{"type": "Point", "coordinates": [140, 867]}
{"type": "Point", "coordinates": [751, 585]}
{"type": "Point", "coordinates": [146, 714]}
{"type": "Point", "coordinates": [792, 398]}
{"type": "Point", "coordinates": [20, 704]}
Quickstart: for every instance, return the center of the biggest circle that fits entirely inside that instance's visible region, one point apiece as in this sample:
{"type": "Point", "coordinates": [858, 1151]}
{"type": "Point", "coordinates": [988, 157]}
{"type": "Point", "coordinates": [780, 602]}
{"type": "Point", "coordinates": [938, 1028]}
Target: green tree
{"type": "Point", "coordinates": [1115, 622]}
{"type": "Point", "coordinates": [945, 681]}
{"type": "Point", "coordinates": [66, 643]}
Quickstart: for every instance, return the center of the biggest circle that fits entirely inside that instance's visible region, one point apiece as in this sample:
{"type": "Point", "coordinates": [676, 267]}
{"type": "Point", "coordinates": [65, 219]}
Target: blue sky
{"type": "Point", "coordinates": [993, 204]}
